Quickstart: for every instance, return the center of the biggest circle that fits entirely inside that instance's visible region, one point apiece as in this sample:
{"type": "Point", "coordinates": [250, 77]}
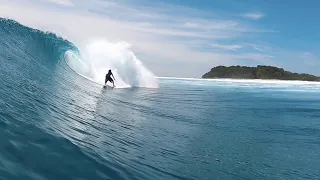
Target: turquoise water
{"type": "Point", "coordinates": [55, 124]}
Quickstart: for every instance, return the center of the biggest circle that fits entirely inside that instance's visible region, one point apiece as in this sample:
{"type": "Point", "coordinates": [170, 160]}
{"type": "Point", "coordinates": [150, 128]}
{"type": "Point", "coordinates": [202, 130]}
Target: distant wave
{"type": "Point", "coordinates": [246, 80]}
{"type": "Point", "coordinates": [283, 85]}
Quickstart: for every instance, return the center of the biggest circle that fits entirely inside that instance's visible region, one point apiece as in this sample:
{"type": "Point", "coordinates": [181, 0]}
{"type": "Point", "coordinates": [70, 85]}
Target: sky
{"type": "Point", "coordinates": [186, 38]}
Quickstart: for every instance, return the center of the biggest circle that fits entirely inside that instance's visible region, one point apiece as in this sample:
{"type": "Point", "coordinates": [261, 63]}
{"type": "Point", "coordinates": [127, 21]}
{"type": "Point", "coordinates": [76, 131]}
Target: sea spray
{"type": "Point", "coordinates": [98, 56]}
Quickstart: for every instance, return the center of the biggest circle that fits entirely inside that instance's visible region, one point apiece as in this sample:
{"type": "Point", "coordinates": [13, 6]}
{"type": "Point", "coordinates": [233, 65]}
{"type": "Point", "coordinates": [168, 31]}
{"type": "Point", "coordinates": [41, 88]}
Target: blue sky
{"type": "Point", "coordinates": [185, 38]}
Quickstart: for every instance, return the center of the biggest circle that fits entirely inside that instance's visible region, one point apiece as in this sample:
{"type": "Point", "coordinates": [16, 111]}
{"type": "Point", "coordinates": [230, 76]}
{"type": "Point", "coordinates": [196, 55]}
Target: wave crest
{"type": "Point", "coordinates": [99, 56]}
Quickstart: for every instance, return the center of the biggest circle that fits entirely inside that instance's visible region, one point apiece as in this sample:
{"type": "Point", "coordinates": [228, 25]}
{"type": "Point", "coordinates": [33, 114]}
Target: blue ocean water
{"type": "Point", "coordinates": [56, 124]}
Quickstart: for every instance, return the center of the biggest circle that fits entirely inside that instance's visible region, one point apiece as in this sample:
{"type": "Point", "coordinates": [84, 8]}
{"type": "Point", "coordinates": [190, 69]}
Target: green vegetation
{"type": "Point", "coordinates": [259, 72]}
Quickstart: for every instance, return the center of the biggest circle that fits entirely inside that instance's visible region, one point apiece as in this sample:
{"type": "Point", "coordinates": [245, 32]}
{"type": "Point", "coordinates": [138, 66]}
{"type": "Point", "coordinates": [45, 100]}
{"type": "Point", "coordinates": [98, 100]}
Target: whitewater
{"type": "Point", "coordinates": [58, 122]}
{"type": "Point", "coordinates": [100, 55]}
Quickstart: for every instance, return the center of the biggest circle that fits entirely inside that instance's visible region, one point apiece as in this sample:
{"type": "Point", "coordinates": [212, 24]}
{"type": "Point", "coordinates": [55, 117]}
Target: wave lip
{"type": "Point", "coordinates": [99, 56]}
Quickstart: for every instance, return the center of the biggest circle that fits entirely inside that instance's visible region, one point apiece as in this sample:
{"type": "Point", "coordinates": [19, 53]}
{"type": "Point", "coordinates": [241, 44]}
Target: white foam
{"type": "Point", "coordinates": [98, 56]}
{"type": "Point", "coordinates": [284, 85]}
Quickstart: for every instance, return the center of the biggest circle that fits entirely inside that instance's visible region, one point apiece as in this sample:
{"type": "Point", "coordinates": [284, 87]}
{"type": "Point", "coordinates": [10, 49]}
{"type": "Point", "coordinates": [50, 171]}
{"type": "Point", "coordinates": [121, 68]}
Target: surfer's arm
{"type": "Point", "coordinates": [113, 77]}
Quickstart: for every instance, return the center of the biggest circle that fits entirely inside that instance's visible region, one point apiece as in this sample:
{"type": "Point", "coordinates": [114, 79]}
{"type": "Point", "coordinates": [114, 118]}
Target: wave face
{"type": "Point", "coordinates": [32, 44]}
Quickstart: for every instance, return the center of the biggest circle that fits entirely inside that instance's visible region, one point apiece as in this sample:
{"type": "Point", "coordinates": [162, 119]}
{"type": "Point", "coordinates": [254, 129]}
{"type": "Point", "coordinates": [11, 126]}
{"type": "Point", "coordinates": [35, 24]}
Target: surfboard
{"type": "Point", "coordinates": [108, 87]}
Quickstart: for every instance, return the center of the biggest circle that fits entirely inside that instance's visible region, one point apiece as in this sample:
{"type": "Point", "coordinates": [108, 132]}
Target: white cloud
{"type": "Point", "coordinates": [309, 59]}
{"type": "Point", "coordinates": [253, 15]}
{"type": "Point", "coordinates": [259, 47]}
{"type": "Point", "coordinates": [62, 2]}
{"type": "Point", "coordinates": [308, 55]}
{"type": "Point", "coordinates": [226, 47]}
{"type": "Point", "coordinates": [258, 57]}
{"type": "Point", "coordinates": [191, 25]}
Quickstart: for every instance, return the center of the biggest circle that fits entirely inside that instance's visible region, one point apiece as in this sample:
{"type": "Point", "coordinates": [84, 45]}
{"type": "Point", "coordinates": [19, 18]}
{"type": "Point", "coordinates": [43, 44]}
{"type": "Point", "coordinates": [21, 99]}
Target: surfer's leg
{"type": "Point", "coordinates": [111, 80]}
{"type": "Point", "coordinates": [105, 81]}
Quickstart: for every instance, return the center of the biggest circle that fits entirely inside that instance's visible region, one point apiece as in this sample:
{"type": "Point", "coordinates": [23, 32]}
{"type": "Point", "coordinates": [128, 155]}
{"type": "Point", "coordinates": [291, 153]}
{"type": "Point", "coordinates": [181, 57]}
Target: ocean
{"type": "Point", "coordinates": [58, 122]}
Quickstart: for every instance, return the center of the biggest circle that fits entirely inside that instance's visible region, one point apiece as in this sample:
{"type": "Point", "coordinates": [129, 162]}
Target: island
{"type": "Point", "coordinates": [259, 72]}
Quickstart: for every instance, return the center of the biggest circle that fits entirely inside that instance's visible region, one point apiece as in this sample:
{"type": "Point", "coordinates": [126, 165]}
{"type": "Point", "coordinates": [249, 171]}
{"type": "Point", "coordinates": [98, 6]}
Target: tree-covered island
{"type": "Point", "coordinates": [259, 72]}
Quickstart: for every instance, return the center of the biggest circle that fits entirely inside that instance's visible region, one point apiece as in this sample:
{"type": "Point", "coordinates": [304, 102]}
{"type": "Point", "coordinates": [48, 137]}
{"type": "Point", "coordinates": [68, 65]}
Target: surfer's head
{"type": "Point", "coordinates": [109, 70]}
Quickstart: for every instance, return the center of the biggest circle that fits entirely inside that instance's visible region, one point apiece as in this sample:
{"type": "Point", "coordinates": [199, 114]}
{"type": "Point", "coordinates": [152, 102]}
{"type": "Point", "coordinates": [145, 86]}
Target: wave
{"type": "Point", "coordinates": [92, 62]}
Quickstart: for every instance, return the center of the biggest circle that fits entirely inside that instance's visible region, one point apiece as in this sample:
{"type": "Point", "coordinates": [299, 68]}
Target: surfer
{"type": "Point", "coordinates": [108, 78]}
